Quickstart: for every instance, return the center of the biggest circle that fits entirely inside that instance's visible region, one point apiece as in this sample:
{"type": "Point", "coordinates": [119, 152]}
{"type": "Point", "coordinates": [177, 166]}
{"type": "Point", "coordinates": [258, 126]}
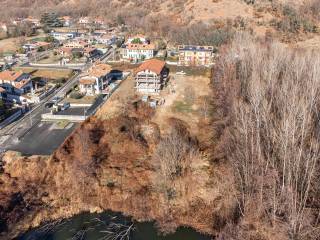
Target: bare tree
{"type": "Point", "coordinates": [275, 146]}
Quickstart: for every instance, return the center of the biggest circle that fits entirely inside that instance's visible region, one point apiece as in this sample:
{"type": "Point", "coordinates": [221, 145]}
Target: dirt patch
{"type": "Point", "coordinates": [184, 99]}
{"type": "Point", "coordinates": [117, 103]}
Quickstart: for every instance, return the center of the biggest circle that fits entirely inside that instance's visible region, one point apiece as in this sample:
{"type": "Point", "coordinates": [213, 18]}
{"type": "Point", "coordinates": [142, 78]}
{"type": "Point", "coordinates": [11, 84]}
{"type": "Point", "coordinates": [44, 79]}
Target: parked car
{"type": "Point", "coordinates": [65, 106]}
{"type": "Point", "coordinates": [56, 99]}
{"type": "Point", "coordinates": [48, 105]}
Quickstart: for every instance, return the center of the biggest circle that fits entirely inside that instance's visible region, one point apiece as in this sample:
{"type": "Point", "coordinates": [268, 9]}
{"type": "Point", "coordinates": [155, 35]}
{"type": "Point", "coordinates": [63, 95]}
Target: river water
{"type": "Point", "coordinates": [105, 226]}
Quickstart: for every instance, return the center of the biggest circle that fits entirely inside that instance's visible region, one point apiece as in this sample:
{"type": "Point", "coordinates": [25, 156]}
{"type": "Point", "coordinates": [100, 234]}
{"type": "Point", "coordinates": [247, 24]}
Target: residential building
{"type": "Point", "coordinates": [191, 55]}
{"type": "Point", "coordinates": [137, 39]}
{"type": "Point", "coordinates": [107, 39]}
{"type": "Point", "coordinates": [151, 76]}
{"type": "Point", "coordinates": [15, 82]}
{"type": "Point", "coordinates": [138, 52]}
{"type": "Point", "coordinates": [68, 52]}
{"type": "Point", "coordinates": [90, 52]}
{"type": "Point", "coordinates": [3, 94]}
{"type": "Point", "coordinates": [62, 36]}
{"type": "Point", "coordinates": [85, 20]}
{"type": "Point", "coordinates": [36, 46]}
{"type": "Point", "coordinates": [66, 20]}
{"type": "Point", "coordinates": [34, 21]}
{"type": "Point", "coordinates": [95, 80]}
{"type": "Point", "coordinates": [76, 44]}
{"type": "Point", "coordinates": [99, 21]}
{"type": "Point", "coordinates": [3, 27]}
{"type": "Point", "coordinates": [65, 52]}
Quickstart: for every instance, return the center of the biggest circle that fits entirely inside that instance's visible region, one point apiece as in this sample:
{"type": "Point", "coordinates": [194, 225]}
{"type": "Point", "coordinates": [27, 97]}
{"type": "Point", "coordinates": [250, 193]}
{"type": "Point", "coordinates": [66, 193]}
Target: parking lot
{"type": "Point", "coordinates": [43, 139]}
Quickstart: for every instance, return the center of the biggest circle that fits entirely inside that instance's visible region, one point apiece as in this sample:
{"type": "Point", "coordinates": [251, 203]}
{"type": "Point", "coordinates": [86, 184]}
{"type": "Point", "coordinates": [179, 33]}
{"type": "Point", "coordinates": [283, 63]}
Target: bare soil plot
{"type": "Point", "coordinates": [13, 44]}
{"type": "Point", "coordinates": [185, 98]}
{"type": "Point", "coordinates": [116, 103]}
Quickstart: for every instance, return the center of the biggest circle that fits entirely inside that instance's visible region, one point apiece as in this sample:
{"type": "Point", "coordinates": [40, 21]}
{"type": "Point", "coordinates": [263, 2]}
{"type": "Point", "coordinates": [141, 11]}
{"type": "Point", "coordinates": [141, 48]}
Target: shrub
{"type": "Point", "coordinates": [75, 95]}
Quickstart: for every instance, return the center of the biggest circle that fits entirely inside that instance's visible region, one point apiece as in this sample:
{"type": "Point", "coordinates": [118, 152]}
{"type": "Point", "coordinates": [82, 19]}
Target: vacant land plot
{"type": "Point", "coordinates": [117, 101]}
{"type": "Point", "coordinates": [11, 45]}
{"type": "Point", "coordinates": [50, 59]}
{"type": "Point", "coordinates": [82, 100]}
{"type": "Point", "coordinates": [186, 98]}
{"type": "Point", "coordinates": [48, 73]}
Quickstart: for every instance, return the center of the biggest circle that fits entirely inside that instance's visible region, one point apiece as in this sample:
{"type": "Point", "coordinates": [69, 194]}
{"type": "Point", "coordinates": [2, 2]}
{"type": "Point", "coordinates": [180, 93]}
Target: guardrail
{"type": "Point", "coordinates": [10, 119]}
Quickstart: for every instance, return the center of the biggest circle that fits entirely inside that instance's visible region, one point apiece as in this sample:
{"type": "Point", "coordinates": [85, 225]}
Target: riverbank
{"type": "Point", "coordinates": [107, 224]}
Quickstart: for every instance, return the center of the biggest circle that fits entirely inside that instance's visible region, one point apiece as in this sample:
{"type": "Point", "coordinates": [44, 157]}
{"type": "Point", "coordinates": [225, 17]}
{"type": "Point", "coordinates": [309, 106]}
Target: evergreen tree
{"type": "Point", "coordinates": [50, 20]}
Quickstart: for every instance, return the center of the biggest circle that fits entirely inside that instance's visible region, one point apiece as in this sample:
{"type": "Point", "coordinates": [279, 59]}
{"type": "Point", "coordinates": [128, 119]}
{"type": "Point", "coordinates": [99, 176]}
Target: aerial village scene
{"type": "Point", "coordinates": [52, 80]}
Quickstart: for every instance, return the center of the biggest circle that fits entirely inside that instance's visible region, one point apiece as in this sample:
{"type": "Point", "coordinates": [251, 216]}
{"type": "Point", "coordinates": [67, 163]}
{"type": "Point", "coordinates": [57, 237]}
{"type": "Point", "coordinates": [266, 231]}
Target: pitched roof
{"type": "Point", "coordinates": [133, 46]}
{"type": "Point", "coordinates": [42, 44]}
{"type": "Point", "coordinates": [87, 81]}
{"type": "Point", "coordinates": [10, 75]}
{"type": "Point", "coordinates": [22, 83]}
{"type": "Point", "coordinates": [99, 69]}
{"type": "Point", "coordinates": [153, 65]}
{"type": "Point", "coordinates": [89, 49]}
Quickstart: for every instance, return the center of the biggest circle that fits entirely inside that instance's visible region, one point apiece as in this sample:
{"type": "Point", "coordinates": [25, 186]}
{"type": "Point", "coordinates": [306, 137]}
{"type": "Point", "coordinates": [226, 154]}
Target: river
{"type": "Point", "coordinates": [105, 226]}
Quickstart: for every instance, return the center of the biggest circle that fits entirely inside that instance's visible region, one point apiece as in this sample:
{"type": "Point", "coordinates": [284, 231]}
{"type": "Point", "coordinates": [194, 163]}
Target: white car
{"type": "Point", "coordinates": [181, 73]}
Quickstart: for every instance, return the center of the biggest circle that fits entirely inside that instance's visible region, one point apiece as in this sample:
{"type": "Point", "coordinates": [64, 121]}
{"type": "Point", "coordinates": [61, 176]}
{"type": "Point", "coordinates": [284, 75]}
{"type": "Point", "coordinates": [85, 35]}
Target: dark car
{"type": "Point", "coordinates": [48, 105]}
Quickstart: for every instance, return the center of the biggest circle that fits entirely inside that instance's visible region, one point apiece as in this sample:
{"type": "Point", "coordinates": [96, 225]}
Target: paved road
{"type": "Point", "coordinates": [18, 129]}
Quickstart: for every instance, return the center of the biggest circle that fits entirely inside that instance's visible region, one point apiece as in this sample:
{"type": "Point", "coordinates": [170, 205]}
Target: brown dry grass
{"type": "Point", "coordinates": [48, 74]}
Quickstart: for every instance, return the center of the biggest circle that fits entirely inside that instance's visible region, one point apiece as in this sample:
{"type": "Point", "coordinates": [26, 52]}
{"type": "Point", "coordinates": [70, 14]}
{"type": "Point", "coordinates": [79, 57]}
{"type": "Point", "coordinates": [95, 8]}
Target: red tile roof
{"type": "Point", "coordinates": [10, 75]}
{"type": "Point", "coordinates": [153, 65]}
{"type": "Point", "coordinates": [22, 83]}
{"type": "Point", "coordinates": [133, 46]}
{"type": "Point", "coordinates": [87, 81]}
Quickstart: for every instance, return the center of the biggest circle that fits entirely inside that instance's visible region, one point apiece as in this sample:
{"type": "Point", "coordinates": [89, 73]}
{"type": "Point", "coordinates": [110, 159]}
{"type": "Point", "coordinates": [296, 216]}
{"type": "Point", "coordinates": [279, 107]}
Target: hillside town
{"type": "Point", "coordinates": [67, 69]}
{"type": "Point", "coordinates": [159, 119]}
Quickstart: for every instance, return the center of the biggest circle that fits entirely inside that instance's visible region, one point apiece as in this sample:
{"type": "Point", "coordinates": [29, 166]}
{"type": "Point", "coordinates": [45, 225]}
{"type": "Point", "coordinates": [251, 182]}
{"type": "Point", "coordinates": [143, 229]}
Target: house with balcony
{"type": "Point", "coordinates": [191, 55]}
{"type": "Point", "coordinates": [15, 83]}
{"type": "Point", "coordinates": [95, 80]}
{"type": "Point", "coordinates": [151, 76]}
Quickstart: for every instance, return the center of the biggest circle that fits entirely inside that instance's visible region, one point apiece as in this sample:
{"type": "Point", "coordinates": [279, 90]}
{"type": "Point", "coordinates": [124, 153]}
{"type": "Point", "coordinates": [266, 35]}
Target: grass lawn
{"type": "Point", "coordinates": [83, 100]}
{"type": "Point", "coordinates": [182, 107]}
{"type": "Point", "coordinates": [51, 59]}
{"type": "Point", "coordinates": [192, 71]}
{"type": "Point", "coordinates": [38, 39]}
